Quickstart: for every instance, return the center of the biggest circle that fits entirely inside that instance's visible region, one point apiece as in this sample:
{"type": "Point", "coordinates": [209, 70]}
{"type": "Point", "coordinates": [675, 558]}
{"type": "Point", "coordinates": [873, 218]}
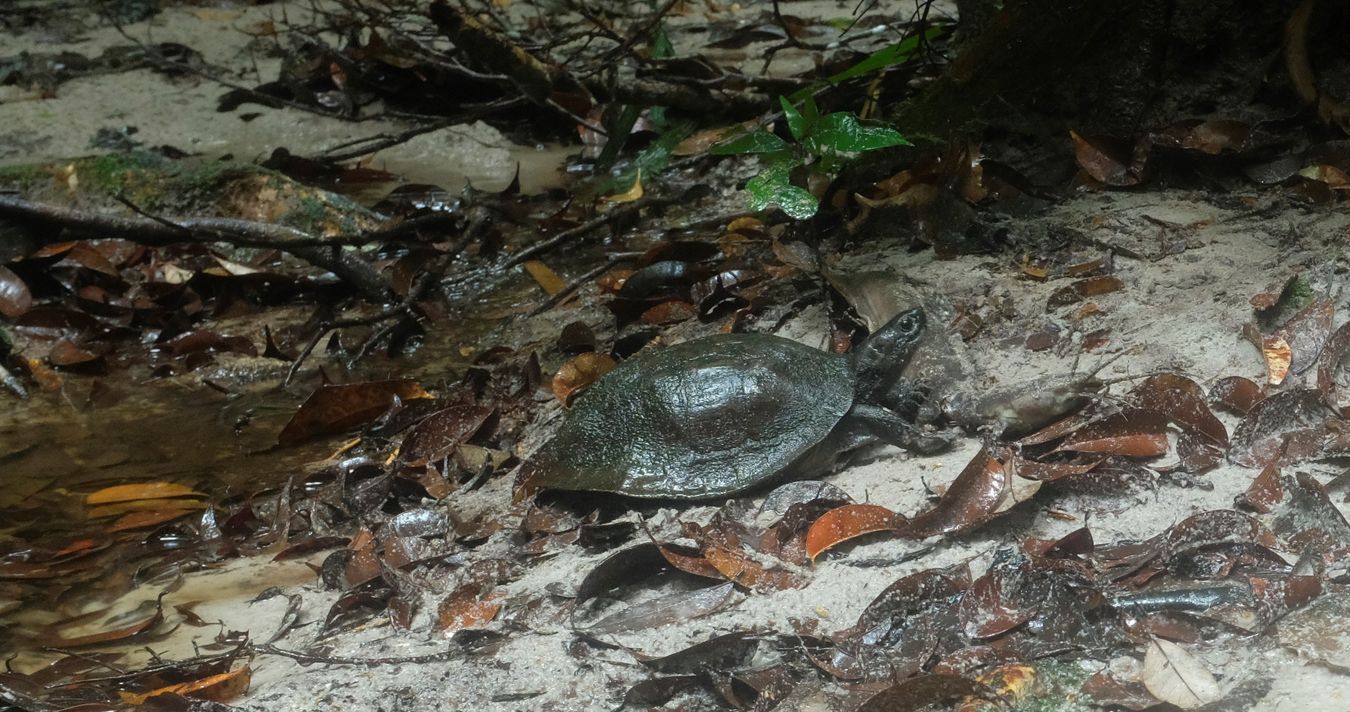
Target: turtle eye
{"type": "Point", "coordinates": [912, 323]}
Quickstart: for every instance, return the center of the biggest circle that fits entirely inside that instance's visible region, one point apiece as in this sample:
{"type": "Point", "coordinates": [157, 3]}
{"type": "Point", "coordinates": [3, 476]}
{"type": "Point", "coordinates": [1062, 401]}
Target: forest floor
{"type": "Point", "coordinates": [1190, 260]}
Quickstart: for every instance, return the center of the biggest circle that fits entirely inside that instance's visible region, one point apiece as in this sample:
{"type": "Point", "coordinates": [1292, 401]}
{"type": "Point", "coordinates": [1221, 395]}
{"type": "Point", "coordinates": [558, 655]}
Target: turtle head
{"type": "Point", "coordinates": [881, 358]}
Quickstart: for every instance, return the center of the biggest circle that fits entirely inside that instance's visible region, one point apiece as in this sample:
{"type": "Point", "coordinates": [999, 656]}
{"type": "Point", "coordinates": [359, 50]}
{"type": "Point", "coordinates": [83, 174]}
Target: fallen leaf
{"type": "Point", "coordinates": [1107, 161]}
{"type": "Point", "coordinates": [335, 408]}
{"type": "Point", "coordinates": [145, 520]}
{"type": "Point", "coordinates": [665, 610]}
{"type": "Point", "coordinates": [631, 194]}
{"type": "Point", "coordinates": [1288, 427]}
{"type": "Point", "coordinates": [219, 688]}
{"type": "Point", "coordinates": [15, 299]}
{"type": "Point", "coordinates": [847, 522]}
{"type": "Point", "coordinates": [580, 373]}
{"type": "Point", "coordinates": [472, 605]}
{"type": "Point", "coordinates": [442, 432]}
{"type": "Point", "coordinates": [1082, 289]}
{"type": "Point", "coordinates": [1236, 394]}
{"type": "Point", "coordinates": [1305, 334]}
{"type": "Point", "coordinates": [1174, 675]}
{"type": "Point", "coordinates": [1327, 366]}
{"type": "Point", "coordinates": [544, 276]}
{"type": "Point", "coordinates": [973, 498]}
{"type": "Point", "coordinates": [140, 491]}
{"type": "Point", "coordinates": [1264, 491]}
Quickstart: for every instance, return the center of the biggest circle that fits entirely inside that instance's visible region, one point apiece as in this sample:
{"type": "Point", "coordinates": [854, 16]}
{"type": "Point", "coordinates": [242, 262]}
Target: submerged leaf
{"type": "Point", "coordinates": [335, 408]}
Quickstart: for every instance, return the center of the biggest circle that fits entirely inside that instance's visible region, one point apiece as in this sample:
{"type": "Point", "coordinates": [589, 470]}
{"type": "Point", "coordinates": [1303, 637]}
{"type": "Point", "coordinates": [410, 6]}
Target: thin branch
{"type": "Point", "coordinates": [404, 308]}
{"type": "Point", "coordinates": [574, 285]}
{"type": "Point", "coordinates": [160, 232]}
{"type": "Point", "coordinates": [307, 658]}
{"type": "Point", "coordinates": [590, 225]}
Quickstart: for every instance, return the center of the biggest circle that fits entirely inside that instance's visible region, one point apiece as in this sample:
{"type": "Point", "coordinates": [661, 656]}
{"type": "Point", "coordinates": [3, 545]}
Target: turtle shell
{"type": "Point", "coordinates": [698, 420]}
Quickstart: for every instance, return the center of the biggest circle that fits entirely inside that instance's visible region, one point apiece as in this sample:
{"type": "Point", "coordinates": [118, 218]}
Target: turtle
{"type": "Point", "coordinates": [720, 415]}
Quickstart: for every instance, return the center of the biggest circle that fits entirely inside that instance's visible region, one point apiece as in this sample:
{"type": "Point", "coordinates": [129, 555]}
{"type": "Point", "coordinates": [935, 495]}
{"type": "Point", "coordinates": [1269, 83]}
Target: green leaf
{"type": "Point", "coordinates": [649, 162]}
{"type": "Point", "coordinates": [795, 121]}
{"type": "Point", "coordinates": [659, 45]}
{"type": "Point", "coordinates": [618, 126]}
{"type": "Point", "coordinates": [774, 187]}
{"type": "Point", "coordinates": [801, 122]}
{"type": "Point", "coordinates": [897, 53]}
{"type": "Point", "coordinates": [758, 142]}
{"type": "Point", "coordinates": [841, 132]}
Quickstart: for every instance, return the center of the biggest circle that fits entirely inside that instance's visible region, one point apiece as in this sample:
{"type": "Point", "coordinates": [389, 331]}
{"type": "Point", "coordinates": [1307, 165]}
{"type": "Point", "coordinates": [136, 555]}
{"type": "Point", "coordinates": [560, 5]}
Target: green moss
{"type": "Point", "coordinates": [23, 176]}
{"type": "Point", "coordinates": [1301, 293]}
{"type": "Point", "coordinates": [1058, 688]}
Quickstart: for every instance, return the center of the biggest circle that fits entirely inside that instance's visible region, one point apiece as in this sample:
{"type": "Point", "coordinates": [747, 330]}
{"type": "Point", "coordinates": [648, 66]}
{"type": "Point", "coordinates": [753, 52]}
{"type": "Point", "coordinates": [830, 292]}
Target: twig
{"type": "Point", "coordinates": [403, 308]}
{"type": "Point", "coordinates": [562, 294]}
{"type": "Point", "coordinates": [595, 223]}
{"type": "Point", "coordinates": [304, 658]}
{"type": "Point", "coordinates": [159, 232]}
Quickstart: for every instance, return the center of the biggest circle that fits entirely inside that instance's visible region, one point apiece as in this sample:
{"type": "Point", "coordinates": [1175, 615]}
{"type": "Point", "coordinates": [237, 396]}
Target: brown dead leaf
{"type": "Point", "coordinates": [442, 432]}
{"type": "Point", "coordinates": [1082, 289]}
{"type": "Point", "coordinates": [1329, 364]}
{"type": "Point", "coordinates": [580, 373]}
{"type": "Point", "coordinates": [1302, 338]}
{"type": "Point", "coordinates": [847, 522]}
{"type": "Point", "coordinates": [974, 497]}
{"type": "Point", "coordinates": [1173, 675]}
{"type": "Point", "coordinates": [1235, 394]}
{"type": "Point", "coordinates": [15, 299]}
{"type": "Point", "coordinates": [673, 311]}
{"type": "Point", "coordinates": [334, 408]}
{"type": "Point", "coordinates": [1265, 490]}
{"type": "Point", "coordinates": [1108, 161]}
{"type": "Point", "coordinates": [472, 605]}
{"type": "Point", "coordinates": [151, 518]}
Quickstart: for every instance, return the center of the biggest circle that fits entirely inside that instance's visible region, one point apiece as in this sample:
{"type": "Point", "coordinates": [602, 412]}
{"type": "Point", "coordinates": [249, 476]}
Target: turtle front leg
{"type": "Point", "coordinates": [891, 427]}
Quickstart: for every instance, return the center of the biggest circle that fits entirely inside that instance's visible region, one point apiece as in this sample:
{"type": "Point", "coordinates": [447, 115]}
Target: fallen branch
{"type": "Point", "coordinates": [160, 232]}
{"type": "Point", "coordinates": [403, 309]}
{"type": "Point", "coordinates": [571, 233]}
{"type": "Point", "coordinates": [309, 658]}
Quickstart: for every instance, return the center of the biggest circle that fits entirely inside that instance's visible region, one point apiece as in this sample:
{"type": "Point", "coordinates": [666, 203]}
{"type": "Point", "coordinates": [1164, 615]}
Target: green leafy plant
{"type": "Point", "coordinates": [820, 143]}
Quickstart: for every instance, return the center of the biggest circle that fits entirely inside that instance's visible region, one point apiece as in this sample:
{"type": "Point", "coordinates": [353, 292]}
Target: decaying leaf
{"type": "Point", "coordinates": [1338, 346]}
{"type": "Point", "coordinates": [847, 522]}
{"type": "Point", "coordinates": [1174, 675]}
{"type": "Point", "coordinates": [439, 434]}
{"type": "Point", "coordinates": [665, 610]}
{"type": "Point", "coordinates": [335, 408]}
{"type": "Point", "coordinates": [582, 370]}
{"type": "Point", "coordinates": [219, 688]}
{"type": "Point", "coordinates": [141, 491]}
{"type": "Point", "coordinates": [974, 497]}
{"type": "Point", "coordinates": [544, 276]}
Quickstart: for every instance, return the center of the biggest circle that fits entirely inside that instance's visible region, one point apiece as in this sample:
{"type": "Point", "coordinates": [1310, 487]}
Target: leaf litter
{"type": "Point", "coordinates": [396, 518]}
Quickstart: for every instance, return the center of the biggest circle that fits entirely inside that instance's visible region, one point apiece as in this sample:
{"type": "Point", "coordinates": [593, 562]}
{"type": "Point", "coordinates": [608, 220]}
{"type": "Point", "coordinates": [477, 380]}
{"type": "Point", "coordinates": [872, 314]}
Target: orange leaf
{"type": "Point", "coordinates": [545, 277]}
{"type": "Point", "coordinates": [1130, 445]}
{"type": "Point", "coordinates": [463, 608]}
{"type": "Point", "coordinates": [143, 490]}
{"type": "Point", "coordinates": [1278, 356]}
{"type": "Point", "coordinates": [220, 688]}
{"type": "Point", "coordinates": [844, 523]}
{"type": "Point", "coordinates": [579, 373]}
